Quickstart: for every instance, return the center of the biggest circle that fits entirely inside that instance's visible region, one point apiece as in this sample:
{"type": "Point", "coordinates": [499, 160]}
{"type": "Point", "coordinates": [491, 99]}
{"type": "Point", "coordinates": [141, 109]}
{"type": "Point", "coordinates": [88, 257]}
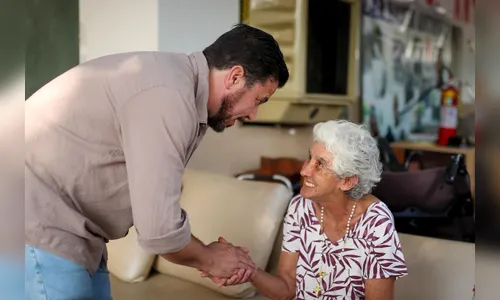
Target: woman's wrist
{"type": "Point", "coordinates": [255, 275]}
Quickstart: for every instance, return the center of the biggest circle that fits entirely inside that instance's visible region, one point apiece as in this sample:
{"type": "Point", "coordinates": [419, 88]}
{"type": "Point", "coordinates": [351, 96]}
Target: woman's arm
{"type": "Point", "coordinates": [379, 289]}
{"type": "Point", "coordinates": [282, 285]}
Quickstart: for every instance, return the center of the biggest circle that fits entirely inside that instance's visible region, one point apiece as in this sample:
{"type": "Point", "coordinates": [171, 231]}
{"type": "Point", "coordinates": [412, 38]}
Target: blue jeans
{"type": "Point", "coordinates": [50, 277]}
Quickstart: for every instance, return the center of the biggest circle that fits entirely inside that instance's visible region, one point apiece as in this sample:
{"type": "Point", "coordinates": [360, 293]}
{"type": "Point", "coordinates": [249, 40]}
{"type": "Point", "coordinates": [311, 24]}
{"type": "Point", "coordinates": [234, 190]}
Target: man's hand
{"type": "Point", "coordinates": [226, 260]}
{"type": "Point", "coordinates": [241, 275]}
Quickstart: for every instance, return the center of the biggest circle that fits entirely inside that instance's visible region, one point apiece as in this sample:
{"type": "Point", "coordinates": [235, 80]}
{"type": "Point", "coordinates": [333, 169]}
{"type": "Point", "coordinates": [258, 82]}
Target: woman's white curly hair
{"type": "Point", "coordinates": [355, 153]}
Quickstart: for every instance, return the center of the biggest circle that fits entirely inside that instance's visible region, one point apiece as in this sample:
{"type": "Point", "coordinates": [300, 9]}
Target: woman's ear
{"type": "Point", "coordinates": [348, 183]}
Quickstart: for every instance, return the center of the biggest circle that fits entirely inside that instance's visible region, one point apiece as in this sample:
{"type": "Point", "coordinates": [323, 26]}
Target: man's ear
{"type": "Point", "coordinates": [235, 77]}
{"type": "Point", "coordinates": [348, 183]}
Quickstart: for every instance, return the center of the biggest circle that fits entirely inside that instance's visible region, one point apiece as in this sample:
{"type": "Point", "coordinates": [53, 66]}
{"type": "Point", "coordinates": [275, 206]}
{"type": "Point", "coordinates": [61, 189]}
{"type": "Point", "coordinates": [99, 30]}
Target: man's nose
{"type": "Point", "coordinates": [253, 115]}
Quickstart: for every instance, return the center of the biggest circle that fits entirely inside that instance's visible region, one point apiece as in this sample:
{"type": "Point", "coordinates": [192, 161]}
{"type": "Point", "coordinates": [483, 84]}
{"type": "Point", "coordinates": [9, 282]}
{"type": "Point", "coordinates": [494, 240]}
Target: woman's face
{"type": "Point", "coordinates": [318, 179]}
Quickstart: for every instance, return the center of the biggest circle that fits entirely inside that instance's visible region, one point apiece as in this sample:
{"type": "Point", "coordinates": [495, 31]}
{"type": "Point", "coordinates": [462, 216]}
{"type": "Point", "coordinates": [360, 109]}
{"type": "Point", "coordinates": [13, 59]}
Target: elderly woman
{"type": "Point", "coordinates": [339, 241]}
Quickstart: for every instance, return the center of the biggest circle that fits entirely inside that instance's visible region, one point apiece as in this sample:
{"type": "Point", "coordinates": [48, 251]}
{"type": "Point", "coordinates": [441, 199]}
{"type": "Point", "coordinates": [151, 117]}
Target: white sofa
{"type": "Point", "coordinates": [250, 214]}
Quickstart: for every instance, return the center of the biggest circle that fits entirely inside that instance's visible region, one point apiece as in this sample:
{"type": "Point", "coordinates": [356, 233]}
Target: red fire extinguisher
{"type": "Point", "coordinates": [449, 114]}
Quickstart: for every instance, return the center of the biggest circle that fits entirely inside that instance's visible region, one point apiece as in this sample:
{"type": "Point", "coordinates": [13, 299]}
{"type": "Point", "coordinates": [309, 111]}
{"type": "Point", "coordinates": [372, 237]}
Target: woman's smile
{"type": "Point", "coordinates": [309, 184]}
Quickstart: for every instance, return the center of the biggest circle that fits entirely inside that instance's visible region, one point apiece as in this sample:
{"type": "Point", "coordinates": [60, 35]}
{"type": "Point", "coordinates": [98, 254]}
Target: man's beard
{"type": "Point", "coordinates": [218, 121]}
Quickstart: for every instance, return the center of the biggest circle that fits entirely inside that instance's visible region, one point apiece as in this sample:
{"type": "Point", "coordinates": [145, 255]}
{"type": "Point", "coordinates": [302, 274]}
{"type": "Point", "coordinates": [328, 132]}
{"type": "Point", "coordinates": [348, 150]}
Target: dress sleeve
{"type": "Point", "coordinates": [291, 227]}
{"type": "Point", "coordinates": [386, 257]}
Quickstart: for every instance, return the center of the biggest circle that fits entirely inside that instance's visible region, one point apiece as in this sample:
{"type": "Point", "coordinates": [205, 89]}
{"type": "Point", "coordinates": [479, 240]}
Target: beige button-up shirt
{"type": "Point", "coordinates": [106, 146]}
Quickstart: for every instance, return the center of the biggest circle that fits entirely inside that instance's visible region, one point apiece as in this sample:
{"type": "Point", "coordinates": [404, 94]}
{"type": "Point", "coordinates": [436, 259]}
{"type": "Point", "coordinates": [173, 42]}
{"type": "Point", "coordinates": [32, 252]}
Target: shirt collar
{"type": "Point", "coordinates": [201, 72]}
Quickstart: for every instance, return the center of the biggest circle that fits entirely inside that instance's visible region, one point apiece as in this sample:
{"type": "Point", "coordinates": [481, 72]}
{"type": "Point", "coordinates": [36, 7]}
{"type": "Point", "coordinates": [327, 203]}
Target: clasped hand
{"type": "Point", "coordinates": [231, 265]}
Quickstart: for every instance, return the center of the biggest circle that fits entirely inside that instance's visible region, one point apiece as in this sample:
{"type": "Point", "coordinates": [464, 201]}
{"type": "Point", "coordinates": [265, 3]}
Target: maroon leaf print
{"type": "Point", "coordinates": [337, 288]}
{"type": "Point", "coordinates": [311, 251]}
{"type": "Point", "coordinates": [315, 263]}
{"type": "Point", "coordinates": [324, 284]}
{"type": "Point", "coordinates": [383, 244]}
{"type": "Point", "coordinates": [400, 259]}
{"type": "Point", "coordinates": [388, 228]}
{"type": "Point", "coordinates": [311, 294]}
{"type": "Point", "coordinates": [358, 264]}
{"type": "Point", "coordinates": [387, 241]}
{"type": "Point", "coordinates": [372, 222]}
{"type": "Point", "coordinates": [347, 263]}
{"type": "Point", "coordinates": [302, 256]}
{"type": "Point", "coordinates": [341, 263]}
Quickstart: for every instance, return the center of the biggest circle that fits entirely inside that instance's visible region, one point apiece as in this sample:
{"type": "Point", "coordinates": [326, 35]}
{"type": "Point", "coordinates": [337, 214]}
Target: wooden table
{"type": "Point", "coordinates": [400, 149]}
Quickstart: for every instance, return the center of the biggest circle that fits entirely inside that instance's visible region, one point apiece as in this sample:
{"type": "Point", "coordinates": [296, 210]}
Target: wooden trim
{"type": "Point", "coordinates": [244, 11]}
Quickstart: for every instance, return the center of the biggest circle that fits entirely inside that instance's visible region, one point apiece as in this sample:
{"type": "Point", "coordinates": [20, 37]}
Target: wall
{"type": "Point", "coordinates": [207, 20]}
{"type": "Point", "coordinates": [239, 149]}
{"type": "Point", "coordinates": [184, 26]}
{"type": "Point", "coordinates": [113, 26]}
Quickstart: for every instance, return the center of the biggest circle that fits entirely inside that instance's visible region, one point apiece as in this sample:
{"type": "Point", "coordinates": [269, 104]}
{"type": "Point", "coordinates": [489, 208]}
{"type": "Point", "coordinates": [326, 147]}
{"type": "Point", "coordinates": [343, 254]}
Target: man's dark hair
{"type": "Point", "coordinates": [255, 50]}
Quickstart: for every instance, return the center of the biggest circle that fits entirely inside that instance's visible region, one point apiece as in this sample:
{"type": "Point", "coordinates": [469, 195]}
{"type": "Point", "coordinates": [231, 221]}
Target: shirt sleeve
{"type": "Point", "coordinates": [157, 129]}
{"type": "Point", "coordinates": [291, 227]}
{"type": "Point", "coordinates": [386, 257]}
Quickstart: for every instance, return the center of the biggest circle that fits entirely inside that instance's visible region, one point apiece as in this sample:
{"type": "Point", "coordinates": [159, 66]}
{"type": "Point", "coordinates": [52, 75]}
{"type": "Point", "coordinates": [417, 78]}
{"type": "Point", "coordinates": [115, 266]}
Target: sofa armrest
{"type": "Point", "coordinates": [126, 259]}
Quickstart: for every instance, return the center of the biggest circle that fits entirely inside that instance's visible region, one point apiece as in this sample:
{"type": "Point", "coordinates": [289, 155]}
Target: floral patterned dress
{"type": "Point", "coordinates": [372, 250]}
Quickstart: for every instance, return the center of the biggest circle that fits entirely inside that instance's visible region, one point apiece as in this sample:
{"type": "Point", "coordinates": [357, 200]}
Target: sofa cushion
{"type": "Point", "coordinates": [126, 259]}
{"type": "Point", "coordinates": [437, 269]}
{"type": "Point", "coordinates": [246, 213]}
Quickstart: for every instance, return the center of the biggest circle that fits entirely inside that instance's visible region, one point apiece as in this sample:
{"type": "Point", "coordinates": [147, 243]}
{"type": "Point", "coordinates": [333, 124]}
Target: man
{"type": "Point", "coordinates": [106, 146]}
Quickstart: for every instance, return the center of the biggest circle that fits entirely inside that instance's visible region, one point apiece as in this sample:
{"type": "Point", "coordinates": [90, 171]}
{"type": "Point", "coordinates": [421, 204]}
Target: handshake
{"type": "Point", "coordinates": [230, 265]}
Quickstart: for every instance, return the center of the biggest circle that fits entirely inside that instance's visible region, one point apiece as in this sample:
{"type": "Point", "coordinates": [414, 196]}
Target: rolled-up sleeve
{"type": "Point", "coordinates": [157, 127]}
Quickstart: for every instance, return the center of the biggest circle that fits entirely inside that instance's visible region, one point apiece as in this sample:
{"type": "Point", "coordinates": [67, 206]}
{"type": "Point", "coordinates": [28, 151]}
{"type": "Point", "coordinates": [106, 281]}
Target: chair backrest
{"type": "Point", "coordinates": [425, 190]}
{"type": "Point", "coordinates": [388, 157]}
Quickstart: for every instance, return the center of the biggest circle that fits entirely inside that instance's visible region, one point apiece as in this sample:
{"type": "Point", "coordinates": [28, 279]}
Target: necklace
{"type": "Point", "coordinates": [321, 273]}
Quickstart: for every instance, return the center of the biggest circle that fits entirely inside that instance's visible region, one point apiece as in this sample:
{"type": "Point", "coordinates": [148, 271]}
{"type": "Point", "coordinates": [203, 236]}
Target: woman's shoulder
{"type": "Point", "coordinates": [379, 208]}
{"type": "Point", "coordinates": [377, 215]}
{"type": "Point", "coordinates": [298, 205]}
{"type": "Point", "coordinates": [297, 201]}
